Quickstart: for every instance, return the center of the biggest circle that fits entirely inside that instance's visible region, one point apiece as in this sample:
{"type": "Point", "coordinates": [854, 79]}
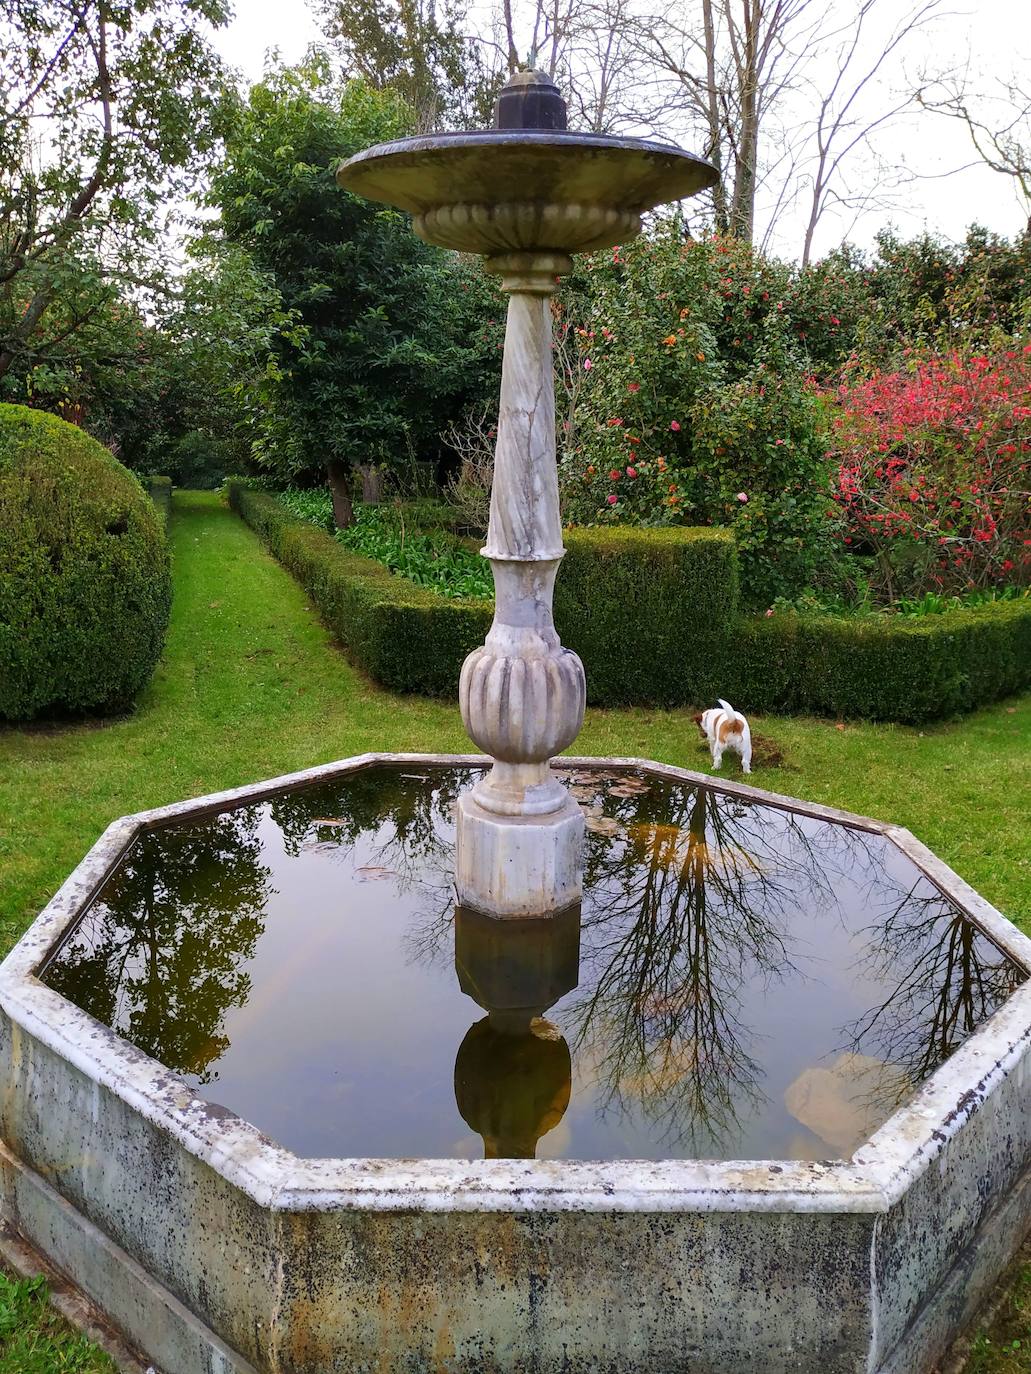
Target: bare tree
{"type": "Point", "coordinates": [843, 122]}
{"type": "Point", "coordinates": [726, 65]}
{"type": "Point", "coordinates": [998, 122]}
{"type": "Point", "coordinates": [781, 93]}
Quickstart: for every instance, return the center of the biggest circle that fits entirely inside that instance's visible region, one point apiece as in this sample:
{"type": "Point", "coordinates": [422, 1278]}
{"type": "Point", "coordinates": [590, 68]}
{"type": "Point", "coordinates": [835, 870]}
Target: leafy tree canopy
{"type": "Point", "coordinates": [421, 54]}
{"type": "Point", "coordinates": [386, 336]}
{"type": "Point", "coordinates": [105, 108]}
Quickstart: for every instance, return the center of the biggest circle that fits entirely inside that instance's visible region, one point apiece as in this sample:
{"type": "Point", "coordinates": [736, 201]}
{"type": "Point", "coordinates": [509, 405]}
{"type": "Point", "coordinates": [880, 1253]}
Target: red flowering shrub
{"type": "Point", "coordinates": [932, 472]}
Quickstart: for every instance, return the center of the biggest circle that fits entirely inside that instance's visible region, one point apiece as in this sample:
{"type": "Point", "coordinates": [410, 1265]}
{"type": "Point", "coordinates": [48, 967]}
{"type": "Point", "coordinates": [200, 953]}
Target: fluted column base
{"type": "Point", "coordinates": [518, 866]}
{"type": "Point", "coordinates": [520, 834]}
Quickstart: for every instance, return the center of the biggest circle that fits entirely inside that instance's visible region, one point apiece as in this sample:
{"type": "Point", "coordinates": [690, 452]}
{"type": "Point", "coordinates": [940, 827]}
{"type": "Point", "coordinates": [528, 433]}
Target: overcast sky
{"type": "Point", "coordinates": [993, 35]}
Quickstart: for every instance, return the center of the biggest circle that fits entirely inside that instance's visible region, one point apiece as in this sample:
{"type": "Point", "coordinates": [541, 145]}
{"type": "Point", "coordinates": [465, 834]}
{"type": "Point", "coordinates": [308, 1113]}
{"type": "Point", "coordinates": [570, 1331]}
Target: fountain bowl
{"type": "Point", "coordinates": [215, 1250]}
{"type": "Point", "coordinates": [525, 190]}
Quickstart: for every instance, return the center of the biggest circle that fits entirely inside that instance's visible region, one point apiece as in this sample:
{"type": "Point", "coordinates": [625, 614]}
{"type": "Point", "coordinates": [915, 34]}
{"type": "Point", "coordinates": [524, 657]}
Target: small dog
{"type": "Point", "coordinates": [726, 728]}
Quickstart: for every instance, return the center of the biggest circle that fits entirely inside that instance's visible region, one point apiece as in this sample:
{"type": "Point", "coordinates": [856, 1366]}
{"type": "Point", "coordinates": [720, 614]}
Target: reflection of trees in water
{"type": "Point", "coordinates": [404, 815]}
{"type": "Point", "coordinates": [692, 900]}
{"type": "Point", "coordinates": [943, 979]}
{"type": "Point", "coordinates": [158, 955]}
{"type": "Point", "coordinates": [687, 910]}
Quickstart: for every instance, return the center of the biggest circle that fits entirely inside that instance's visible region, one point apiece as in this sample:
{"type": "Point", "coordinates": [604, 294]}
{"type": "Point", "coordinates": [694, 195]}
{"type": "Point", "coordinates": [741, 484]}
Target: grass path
{"type": "Point", "coordinates": [251, 686]}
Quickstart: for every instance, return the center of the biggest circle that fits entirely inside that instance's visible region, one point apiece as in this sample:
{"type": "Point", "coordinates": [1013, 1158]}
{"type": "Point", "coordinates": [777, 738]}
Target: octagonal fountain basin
{"type": "Point", "coordinates": [271, 1102]}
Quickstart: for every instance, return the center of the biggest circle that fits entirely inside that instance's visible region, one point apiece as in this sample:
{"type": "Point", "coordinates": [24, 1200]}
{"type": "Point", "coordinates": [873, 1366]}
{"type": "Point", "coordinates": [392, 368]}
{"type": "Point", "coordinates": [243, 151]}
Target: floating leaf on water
{"type": "Point", "coordinates": [373, 873]}
{"type": "Point", "coordinates": [583, 794]}
{"type": "Point", "coordinates": [629, 785]}
{"type": "Point", "coordinates": [584, 775]}
{"type": "Point", "coordinates": [329, 820]}
{"type": "Point", "coordinates": [602, 825]}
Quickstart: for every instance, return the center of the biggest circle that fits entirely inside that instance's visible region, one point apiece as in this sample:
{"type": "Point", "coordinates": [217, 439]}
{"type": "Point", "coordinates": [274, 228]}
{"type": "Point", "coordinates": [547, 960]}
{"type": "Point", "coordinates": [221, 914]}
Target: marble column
{"type": "Point", "coordinates": [520, 834]}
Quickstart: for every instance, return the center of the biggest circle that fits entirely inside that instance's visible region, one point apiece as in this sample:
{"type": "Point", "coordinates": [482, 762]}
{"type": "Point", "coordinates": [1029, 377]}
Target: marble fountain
{"type": "Point", "coordinates": [490, 1064]}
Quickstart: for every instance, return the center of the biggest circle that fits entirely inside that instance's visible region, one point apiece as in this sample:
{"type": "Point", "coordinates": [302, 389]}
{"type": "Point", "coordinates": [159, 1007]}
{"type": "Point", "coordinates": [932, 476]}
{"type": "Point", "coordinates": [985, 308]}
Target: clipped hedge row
{"type": "Point", "coordinates": [909, 670]}
{"type": "Point", "coordinates": [623, 595]}
{"type": "Point", "coordinates": [653, 614]}
{"type": "Point", "coordinates": [648, 611]}
{"type": "Point", "coordinates": [407, 638]}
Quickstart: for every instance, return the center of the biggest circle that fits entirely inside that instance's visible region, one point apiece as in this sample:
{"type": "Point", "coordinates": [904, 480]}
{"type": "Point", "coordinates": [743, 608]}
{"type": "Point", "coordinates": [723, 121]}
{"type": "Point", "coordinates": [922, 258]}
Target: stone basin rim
{"type": "Point", "coordinates": [878, 1173]}
{"type": "Point", "coordinates": [454, 150]}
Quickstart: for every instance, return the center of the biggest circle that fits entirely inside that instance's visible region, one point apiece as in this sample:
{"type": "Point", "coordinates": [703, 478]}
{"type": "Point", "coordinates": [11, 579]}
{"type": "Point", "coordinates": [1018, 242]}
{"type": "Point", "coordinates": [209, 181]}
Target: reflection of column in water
{"type": "Point", "coordinates": [513, 1073]}
{"type": "Point", "coordinates": [512, 1088]}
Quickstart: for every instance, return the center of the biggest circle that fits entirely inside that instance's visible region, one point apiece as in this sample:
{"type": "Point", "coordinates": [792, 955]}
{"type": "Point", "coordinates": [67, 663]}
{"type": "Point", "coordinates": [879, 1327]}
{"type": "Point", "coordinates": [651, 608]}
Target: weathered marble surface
{"type": "Point", "coordinates": [218, 1252]}
{"type": "Point", "coordinates": [522, 695]}
{"type": "Point", "coordinates": [527, 198]}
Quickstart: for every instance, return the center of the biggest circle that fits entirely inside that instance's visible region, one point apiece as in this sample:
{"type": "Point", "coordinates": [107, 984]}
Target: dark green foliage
{"type": "Point", "coordinates": [883, 667]}
{"type": "Point", "coordinates": [648, 611]}
{"type": "Point", "coordinates": [86, 590]}
{"type": "Point", "coordinates": [407, 638]}
{"type": "Point", "coordinates": [438, 560]}
{"type": "Point", "coordinates": [653, 613]}
{"type": "Point", "coordinates": [383, 339]}
{"type": "Point", "coordinates": [409, 538]}
{"type": "Point", "coordinates": [160, 489]}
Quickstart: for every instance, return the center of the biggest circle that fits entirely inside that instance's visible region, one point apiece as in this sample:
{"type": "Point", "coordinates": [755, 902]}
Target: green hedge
{"type": "Point", "coordinates": [85, 586]}
{"type": "Point", "coordinates": [407, 638]}
{"type": "Point", "coordinates": [648, 611]}
{"type": "Point", "coordinates": [653, 615]}
{"type": "Point", "coordinates": [876, 668]}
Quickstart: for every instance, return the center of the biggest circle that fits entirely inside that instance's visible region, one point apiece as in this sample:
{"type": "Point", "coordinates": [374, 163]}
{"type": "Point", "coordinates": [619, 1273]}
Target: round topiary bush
{"type": "Point", "coordinates": [85, 587]}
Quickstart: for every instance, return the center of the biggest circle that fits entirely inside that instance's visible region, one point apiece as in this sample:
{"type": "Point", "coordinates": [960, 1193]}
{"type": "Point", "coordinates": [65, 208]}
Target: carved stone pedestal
{"type": "Point", "coordinates": [520, 834]}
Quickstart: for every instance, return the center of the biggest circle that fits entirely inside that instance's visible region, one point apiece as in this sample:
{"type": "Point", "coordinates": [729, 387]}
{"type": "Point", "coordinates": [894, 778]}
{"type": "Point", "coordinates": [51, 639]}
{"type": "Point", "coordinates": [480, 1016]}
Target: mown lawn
{"type": "Point", "coordinates": [34, 1339]}
{"type": "Point", "coordinates": [251, 686]}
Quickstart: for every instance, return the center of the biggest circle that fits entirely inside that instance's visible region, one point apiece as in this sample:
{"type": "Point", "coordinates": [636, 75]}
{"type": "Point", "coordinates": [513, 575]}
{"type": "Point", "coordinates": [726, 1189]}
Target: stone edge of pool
{"type": "Point", "coordinates": [213, 1249]}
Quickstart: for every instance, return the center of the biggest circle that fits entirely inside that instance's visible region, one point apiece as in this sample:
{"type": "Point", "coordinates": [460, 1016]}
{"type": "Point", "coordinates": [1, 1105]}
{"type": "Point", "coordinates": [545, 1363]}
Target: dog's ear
{"type": "Point", "coordinates": [697, 718]}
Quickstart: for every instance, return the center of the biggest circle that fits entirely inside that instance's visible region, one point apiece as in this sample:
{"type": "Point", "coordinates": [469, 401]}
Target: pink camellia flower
{"type": "Point", "coordinates": [633, 386]}
{"type": "Point", "coordinates": [742, 496]}
{"type": "Point", "coordinates": [587, 364]}
{"type": "Point", "coordinates": [614, 475]}
{"type": "Point", "coordinates": [612, 498]}
{"type": "Point", "coordinates": [674, 425]}
{"type": "Point", "coordinates": [778, 442]}
{"type": "Point", "coordinates": [769, 613]}
{"type": "Point", "coordinates": [631, 472]}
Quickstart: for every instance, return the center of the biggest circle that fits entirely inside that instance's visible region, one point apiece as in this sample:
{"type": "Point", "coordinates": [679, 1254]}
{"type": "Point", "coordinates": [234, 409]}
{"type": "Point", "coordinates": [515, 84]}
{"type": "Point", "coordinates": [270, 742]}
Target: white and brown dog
{"type": "Point", "coordinates": [726, 728]}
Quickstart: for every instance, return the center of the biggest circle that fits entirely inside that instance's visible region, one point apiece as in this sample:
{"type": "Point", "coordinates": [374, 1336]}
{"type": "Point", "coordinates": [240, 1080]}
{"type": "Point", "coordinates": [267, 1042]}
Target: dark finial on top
{"type": "Point", "coordinates": [530, 100]}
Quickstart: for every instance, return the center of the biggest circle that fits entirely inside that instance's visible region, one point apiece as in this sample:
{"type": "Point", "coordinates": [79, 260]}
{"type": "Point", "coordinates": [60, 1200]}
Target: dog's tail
{"type": "Point", "coordinates": [729, 709]}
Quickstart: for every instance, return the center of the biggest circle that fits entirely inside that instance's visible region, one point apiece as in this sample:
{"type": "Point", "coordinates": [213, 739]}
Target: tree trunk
{"type": "Point", "coordinates": [714, 141]}
{"type": "Point", "coordinates": [742, 217]}
{"type": "Point", "coordinates": [338, 475]}
{"type": "Point", "coordinates": [372, 483]}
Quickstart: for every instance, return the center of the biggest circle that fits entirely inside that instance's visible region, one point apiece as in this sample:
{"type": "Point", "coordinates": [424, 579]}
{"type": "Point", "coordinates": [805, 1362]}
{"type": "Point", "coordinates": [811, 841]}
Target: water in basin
{"type": "Point", "coordinates": [741, 982]}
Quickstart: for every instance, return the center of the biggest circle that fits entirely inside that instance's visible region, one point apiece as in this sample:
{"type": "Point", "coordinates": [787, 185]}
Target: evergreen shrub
{"type": "Point", "coordinates": [654, 614]}
{"type": "Point", "coordinates": [86, 587]}
{"type": "Point", "coordinates": [648, 610]}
